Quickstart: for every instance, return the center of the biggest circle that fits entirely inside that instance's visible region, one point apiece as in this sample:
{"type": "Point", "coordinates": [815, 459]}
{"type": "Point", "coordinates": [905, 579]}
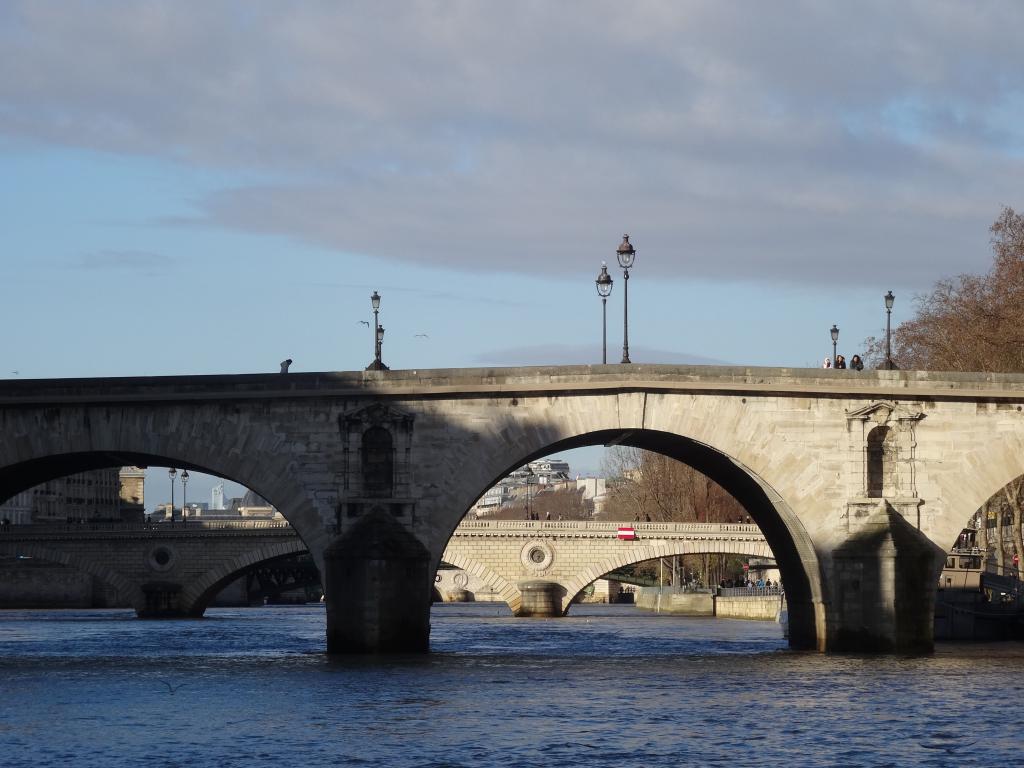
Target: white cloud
{"type": "Point", "coordinates": [794, 140]}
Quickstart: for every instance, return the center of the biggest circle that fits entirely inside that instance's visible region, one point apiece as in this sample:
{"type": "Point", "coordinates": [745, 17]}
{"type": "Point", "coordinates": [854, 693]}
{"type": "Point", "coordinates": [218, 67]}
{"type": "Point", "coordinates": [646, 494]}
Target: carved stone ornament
{"type": "Point", "coordinates": [883, 412]}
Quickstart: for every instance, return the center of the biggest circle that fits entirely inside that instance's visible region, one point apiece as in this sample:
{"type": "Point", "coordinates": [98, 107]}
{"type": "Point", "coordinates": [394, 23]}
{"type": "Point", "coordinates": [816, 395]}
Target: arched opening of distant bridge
{"type": "Point", "coordinates": [159, 568]}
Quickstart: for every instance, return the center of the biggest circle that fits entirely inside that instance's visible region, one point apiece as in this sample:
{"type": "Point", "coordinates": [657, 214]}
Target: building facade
{"type": "Point", "coordinates": [94, 495]}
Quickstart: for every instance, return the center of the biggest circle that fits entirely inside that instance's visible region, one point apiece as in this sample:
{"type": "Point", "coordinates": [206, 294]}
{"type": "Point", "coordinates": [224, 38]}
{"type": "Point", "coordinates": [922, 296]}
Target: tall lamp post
{"type": "Point", "coordinates": [529, 477]}
{"type": "Point", "coordinates": [604, 290]}
{"type": "Point", "coordinates": [378, 336]}
{"type": "Point", "coordinates": [626, 254]}
{"type": "Point", "coordinates": [375, 303]}
{"type": "Point", "coordinates": [835, 339]}
{"type": "Point", "coordinates": [173, 474]}
{"type": "Point", "coordinates": [889, 301]}
{"type": "Point", "coordinates": [184, 501]}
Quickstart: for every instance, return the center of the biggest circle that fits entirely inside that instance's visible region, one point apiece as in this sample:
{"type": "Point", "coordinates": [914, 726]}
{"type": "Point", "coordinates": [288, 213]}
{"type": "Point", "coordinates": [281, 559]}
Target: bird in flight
{"type": "Point", "coordinates": [365, 322]}
{"type": "Point", "coordinates": [173, 688]}
{"type": "Point", "coordinates": [422, 336]}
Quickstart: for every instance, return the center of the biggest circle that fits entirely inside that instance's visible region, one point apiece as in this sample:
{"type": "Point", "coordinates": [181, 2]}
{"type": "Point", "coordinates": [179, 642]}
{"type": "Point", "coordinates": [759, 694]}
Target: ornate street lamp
{"type": "Point", "coordinates": [378, 336]}
{"type": "Point", "coordinates": [835, 339]}
{"type": "Point", "coordinates": [184, 498]}
{"type": "Point", "coordinates": [889, 365]}
{"type": "Point", "coordinates": [173, 474]}
{"type": "Point", "coordinates": [604, 290]}
{"type": "Point", "coordinates": [375, 303]}
{"type": "Point", "coordinates": [626, 254]}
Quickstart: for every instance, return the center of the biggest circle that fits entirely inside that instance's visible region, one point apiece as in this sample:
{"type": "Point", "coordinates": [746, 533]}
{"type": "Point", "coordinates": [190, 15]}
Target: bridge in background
{"type": "Point", "coordinates": [540, 567]}
{"type": "Point", "coordinates": [176, 569]}
{"type": "Point", "coordinates": [161, 569]}
{"type": "Point", "coordinates": [860, 480]}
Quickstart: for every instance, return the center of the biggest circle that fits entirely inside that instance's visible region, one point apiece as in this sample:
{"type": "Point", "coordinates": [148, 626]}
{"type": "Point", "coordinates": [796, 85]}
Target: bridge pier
{"type": "Point", "coordinates": [162, 599]}
{"type": "Point", "coordinates": [377, 586]}
{"type": "Point", "coordinates": [540, 598]}
{"type": "Point", "coordinates": [883, 587]}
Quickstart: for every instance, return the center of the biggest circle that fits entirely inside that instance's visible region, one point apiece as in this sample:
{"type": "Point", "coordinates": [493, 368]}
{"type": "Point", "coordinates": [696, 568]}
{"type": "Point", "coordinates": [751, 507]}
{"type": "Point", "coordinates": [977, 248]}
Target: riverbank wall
{"type": "Point", "coordinates": [27, 583]}
{"type": "Point", "coordinates": [752, 607]}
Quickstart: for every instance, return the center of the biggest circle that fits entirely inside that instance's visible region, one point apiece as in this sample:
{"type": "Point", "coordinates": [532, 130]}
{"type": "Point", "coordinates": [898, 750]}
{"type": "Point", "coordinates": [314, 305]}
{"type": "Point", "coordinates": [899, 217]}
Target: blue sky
{"type": "Point", "coordinates": [213, 187]}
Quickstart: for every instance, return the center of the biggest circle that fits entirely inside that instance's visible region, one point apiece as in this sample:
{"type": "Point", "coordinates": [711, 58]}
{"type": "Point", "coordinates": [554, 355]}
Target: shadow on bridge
{"type": "Point", "coordinates": [162, 570]}
{"type": "Point", "coordinates": [375, 471]}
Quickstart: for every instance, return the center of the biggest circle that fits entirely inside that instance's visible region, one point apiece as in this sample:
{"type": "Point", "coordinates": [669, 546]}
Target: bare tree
{"type": "Point", "coordinates": [646, 485]}
{"type": "Point", "coordinates": [1000, 541]}
{"type": "Point", "coordinates": [649, 486]}
{"type": "Point", "coordinates": [982, 533]}
{"type": "Point", "coordinates": [974, 323]}
{"type": "Point", "coordinates": [555, 504]}
{"type": "Point", "coordinates": [561, 504]}
{"type": "Point", "coordinates": [970, 322]}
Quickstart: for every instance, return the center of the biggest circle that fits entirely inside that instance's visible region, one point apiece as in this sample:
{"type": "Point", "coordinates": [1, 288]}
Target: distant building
{"type": "Point", "coordinates": [93, 495]}
{"type": "Point", "coordinates": [195, 510]}
{"type": "Point", "coordinates": [132, 493]}
{"type": "Point", "coordinates": [255, 506]}
{"type": "Point", "coordinates": [550, 470]}
{"type": "Point", "coordinates": [252, 505]}
{"type": "Point", "coordinates": [217, 497]}
{"type": "Point", "coordinates": [18, 510]}
{"type": "Point", "coordinates": [530, 479]}
{"type": "Point", "coordinates": [594, 491]}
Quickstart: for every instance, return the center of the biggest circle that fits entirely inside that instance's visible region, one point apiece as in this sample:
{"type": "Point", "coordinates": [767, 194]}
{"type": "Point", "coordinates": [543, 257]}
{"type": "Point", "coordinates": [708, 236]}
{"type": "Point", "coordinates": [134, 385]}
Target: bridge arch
{"type": "Point", "coordinates": [576, 585]}
{"type": "Point", "coordinates": [126, 589]}
{"type": "Point", "coordinates": [497, 584]}
{"type": "Point", "coordinates": [993, 467]}
{"type": "Point", "coordinates": [256, 466]}
{"type": "Point", "coordinates": [747, 465]}
{"type": "Point", "coordinates": [199, 593]}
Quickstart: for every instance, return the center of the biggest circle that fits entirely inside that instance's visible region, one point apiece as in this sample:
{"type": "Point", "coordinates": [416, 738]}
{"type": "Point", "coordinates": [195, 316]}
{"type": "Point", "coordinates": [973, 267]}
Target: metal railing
{"type": "Point", "coordinates": [118, 527]}
{"type": "Point", "coordinates": [750, 591]}
{"type": "Point", "coordinates": [610, 526]}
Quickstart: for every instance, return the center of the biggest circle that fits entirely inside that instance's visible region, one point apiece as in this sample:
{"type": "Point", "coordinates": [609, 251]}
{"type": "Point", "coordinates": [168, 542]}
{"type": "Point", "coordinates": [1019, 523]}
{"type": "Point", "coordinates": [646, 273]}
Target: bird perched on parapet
{"type": "Point", "coordinates": [285, 364]}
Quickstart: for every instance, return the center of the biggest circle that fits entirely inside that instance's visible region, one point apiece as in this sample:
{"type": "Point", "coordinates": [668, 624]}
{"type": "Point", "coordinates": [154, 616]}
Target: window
{"type": "Point", "coordinates": [378, 462]}
{"type": "Point", "coordinates": [881, 467]}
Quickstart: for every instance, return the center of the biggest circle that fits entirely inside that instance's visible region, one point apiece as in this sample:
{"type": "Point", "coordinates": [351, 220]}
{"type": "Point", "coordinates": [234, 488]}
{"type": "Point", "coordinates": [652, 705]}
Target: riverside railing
{"type": "Point", "coordinates": [749, 591]}
{"type": "Point", "coordinates": [610, 526]}
{"type": "Point", "coordinates": [117, 527]}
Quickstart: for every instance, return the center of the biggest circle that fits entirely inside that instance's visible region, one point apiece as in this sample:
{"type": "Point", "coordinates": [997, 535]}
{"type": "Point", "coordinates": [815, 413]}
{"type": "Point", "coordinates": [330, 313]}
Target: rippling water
{"type": "Point", "coordinates": [608, 686]}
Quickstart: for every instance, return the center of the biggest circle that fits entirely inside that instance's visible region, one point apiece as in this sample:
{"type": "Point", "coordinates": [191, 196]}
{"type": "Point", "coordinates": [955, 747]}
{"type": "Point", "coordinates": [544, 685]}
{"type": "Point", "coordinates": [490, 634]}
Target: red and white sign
{"type": "Point", "coordinates": [626, 534]}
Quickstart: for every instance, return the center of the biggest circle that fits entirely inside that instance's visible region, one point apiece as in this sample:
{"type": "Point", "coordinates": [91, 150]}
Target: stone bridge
{"type": "Point", "coordinates": [165, 569]}
{"type": "Point", "coordinates": [860, 481]}
{"type": "Point", "coordinates": [540, 567]}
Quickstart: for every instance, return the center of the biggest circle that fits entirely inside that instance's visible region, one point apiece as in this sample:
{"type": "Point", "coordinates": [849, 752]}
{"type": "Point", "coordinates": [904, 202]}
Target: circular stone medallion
{"type": "Point", "coordinates": [537, 555]}
{"type": "Point", "coordinates": [161, 558]}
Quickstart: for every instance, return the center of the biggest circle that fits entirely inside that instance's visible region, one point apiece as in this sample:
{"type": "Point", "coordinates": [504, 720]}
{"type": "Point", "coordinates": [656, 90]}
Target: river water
{"type": "Point", "coordinates": [607, 686]}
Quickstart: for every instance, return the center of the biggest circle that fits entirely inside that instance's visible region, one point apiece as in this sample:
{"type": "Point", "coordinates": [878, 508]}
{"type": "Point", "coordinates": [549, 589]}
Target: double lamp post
{"type": "Point", "coordinates": [378, 336]}
{"type": "Point", "coordinates": [626, 254]}
{"type": "Point", "coordinates": [888, 364]}
{"type": "Point", "coordinates": [172, 473]}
